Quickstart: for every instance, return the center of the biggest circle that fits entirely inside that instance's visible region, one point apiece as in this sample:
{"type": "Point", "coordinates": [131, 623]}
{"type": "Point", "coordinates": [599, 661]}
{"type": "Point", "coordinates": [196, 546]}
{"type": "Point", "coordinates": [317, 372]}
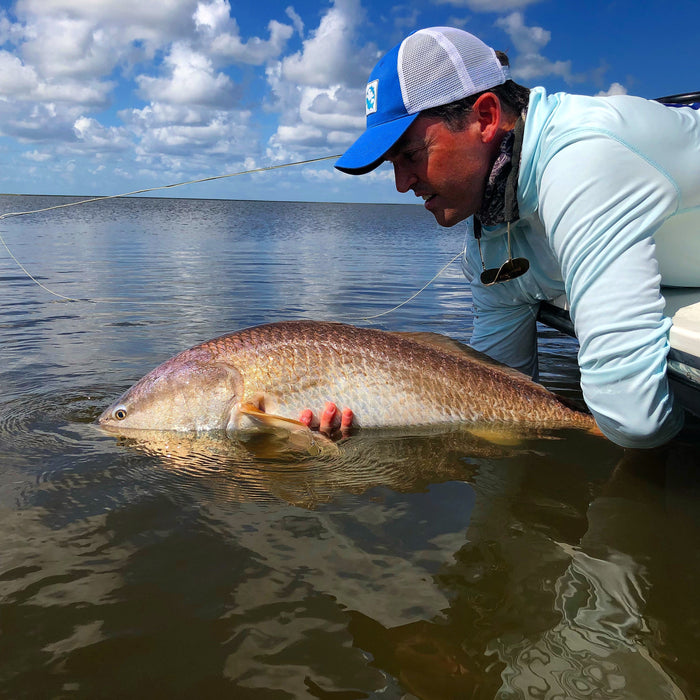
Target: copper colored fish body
{"type": "Point", "coordinates": [389, 380]}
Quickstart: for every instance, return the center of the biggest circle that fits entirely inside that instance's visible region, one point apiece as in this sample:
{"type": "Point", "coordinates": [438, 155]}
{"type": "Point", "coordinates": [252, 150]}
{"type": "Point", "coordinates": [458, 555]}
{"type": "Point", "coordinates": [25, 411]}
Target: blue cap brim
{"type": "Point", "coordinates": [368, 151]}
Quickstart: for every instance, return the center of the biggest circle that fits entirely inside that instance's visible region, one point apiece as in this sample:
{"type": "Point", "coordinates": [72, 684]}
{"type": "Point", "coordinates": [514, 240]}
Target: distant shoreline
{"type": "Point", "coordinates": [210, 199]}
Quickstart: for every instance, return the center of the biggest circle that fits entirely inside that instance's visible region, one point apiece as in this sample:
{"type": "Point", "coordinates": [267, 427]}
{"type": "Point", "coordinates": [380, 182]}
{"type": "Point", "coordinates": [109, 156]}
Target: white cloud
{"type": "Point", "coordinates": [255, 51]}
{"type": "Point", "coordinates": [40, 122]}
{"type": "Point", "coordinates": [222, 34]}
{"type": "Point", "coordinates": [16, 79]}
{"type": "Point", "coordinates": [301, 134]}
{"type": "Point", "coordinates": [191, 80]}
{"type": "Point", "coordinates": [65, 59]}
{"type": "Point", "coordinates": [21, 82]}
{"type": "Point", "coordinates": [69, 53]}
{"type": "Point", "coordinates": [488, 5]}
{"type": "Point", "coordinates": [405, 19]}
{"type": "Point", "coordinates": [5, 28]}
{"type": "Point", "coordinates": [92, 94]}
{"type": "Point", "coordinates": [66, 49]}
{"type": "Point", "coordinates": [614, 89]}
{"type": "Point", "coordinates": [212, 16]}
{"type": "Point", "coordinates": [319, 91]}
{"type": "Point", "coordinates": [136, 19]}
{"type": "Point", "coordinates": [331, 109]}
{"type": "Point", "coordinates": [329, 57]}
{"type": "Point", "coordinates": [94, 137]}
{"type": "Point", "coordinates": [181, 131]}
{"type": "Point", "coordinates": [83, 39]}
{"type": "Point", "coordinates": [38, 156]}
{"type": "Point", "coordinates": [297, 21]}
{"type": "Point", "coordinates": [529, 41]}
{"type": "Point", "coordinates": [63, 46]}
{"type": "Point", "coordinates": [159, 114]}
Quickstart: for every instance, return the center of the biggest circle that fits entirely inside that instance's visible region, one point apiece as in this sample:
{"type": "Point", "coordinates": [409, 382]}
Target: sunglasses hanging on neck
{"type": "Point", "coordinates": [512, 267]}
{"type": "Point", "coordinates": [509, 270]}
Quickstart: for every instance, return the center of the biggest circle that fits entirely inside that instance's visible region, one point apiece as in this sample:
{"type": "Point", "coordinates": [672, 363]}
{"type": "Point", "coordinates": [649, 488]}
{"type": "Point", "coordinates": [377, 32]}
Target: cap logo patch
{"type": "Point", "coordinates": [371, 97]}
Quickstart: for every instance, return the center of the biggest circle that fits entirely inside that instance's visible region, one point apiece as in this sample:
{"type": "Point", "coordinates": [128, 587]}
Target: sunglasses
{"type": "Point", "coordinates": [509, 270]}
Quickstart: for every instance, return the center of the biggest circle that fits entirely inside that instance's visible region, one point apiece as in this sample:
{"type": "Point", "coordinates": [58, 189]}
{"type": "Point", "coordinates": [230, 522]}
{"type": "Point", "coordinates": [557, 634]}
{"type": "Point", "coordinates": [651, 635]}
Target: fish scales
{"type": "Point", "coordinates": [439, 387]}
{"type": "Point", "coordinates": [387, 379]}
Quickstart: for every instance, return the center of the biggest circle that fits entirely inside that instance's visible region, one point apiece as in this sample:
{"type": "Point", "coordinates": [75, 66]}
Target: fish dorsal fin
{"type": "Point", "coordinates": [453, 347]}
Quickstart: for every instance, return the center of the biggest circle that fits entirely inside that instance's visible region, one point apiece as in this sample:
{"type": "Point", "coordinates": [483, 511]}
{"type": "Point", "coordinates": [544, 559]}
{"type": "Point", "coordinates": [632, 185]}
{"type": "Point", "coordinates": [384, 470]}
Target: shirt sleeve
{"type": "Point", "coordinates": [505, 326]}
{"type": "Point", "coordinates": [600, 221]}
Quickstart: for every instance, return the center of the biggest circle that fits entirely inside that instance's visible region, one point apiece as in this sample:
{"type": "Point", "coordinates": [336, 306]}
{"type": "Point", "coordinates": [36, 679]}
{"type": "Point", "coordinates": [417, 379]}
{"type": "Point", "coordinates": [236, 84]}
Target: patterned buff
{"type": "Point", "coordinates": [500, 201]}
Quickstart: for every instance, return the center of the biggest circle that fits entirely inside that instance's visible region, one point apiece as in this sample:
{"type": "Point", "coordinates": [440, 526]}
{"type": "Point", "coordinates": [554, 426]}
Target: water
{"type": "Point", "coordinates": [429, 566]}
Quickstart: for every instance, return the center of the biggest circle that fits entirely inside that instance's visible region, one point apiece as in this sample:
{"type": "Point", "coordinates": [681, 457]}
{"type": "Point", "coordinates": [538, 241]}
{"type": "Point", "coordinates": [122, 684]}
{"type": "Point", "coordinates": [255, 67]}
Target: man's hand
{"type": "Point", "coordinates": [331, 420]}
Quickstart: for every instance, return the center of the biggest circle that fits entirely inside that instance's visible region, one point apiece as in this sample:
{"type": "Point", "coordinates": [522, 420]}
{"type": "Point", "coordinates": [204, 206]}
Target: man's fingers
{"type": "Point", "coordinates": [346, 421]}
{"type": "Point", "coordinates": [306, 417]}
{"type": "Point", "coordinates": [329, 418]}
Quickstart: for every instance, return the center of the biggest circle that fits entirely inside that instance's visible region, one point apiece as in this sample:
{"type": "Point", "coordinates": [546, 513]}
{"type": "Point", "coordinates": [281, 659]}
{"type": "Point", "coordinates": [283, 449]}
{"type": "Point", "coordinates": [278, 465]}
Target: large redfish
{"type": "Point", "coordinates": [268, 374]}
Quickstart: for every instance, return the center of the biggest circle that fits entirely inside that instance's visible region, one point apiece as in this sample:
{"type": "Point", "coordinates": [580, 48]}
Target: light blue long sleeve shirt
{"type": "Point", "coordinates": [609, 200]}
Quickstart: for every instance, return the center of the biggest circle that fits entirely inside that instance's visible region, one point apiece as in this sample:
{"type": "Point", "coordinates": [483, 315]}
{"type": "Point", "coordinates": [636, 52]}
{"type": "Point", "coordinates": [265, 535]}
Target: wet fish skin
{"type": "Point", "coordinates": [387, 379]}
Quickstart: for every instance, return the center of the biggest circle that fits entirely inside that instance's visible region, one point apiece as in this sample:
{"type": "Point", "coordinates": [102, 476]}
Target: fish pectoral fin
{"type": "Point", "coordinates": [299, 435]}
{"type": "Point", "coordinates": [270, 420]}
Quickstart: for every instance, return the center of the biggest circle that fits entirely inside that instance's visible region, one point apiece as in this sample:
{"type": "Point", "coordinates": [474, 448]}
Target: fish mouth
{"type": "Point", "coordinates": [109, 422]}
{"type": "Point", "coordinates": [102, 420]}
{"type": "Point", "coordinates": [109, 427]}
{"type": "Point", "coordinates": [134, 433]}
{"type": "Point", "coordinates": [106, 419]}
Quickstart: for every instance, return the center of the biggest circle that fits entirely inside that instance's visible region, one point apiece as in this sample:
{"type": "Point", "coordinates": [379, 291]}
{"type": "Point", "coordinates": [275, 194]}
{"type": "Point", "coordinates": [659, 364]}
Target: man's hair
{"type": "Point", "coordinates": [514, 98]}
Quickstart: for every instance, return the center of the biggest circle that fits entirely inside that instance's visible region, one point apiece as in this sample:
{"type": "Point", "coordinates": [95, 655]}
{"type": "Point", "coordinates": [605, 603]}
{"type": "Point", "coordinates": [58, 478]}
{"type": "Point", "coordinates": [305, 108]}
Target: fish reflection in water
{"type": "Point", "coordinates": [425, 597]}
{"type": "Point", "coordinates": [597, 636]}
{"type": "Point", "coordinates": [265, 466]}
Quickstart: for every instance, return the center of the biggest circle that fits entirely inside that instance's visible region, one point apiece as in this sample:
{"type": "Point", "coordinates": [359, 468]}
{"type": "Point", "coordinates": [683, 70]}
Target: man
{"type": "Point", "coordinates": [563, 194]}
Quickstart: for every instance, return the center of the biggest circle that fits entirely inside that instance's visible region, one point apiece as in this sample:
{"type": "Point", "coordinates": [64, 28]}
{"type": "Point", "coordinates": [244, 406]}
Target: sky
{"type": "Point", "coordinates": [103, 97]}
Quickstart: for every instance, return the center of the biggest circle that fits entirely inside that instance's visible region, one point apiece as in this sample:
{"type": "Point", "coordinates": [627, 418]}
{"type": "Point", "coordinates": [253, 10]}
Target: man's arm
{"type": "Point", "coordinates": [506, 333]}
{"type": "Point", "coordinates": [601, 203]}
{"type": "Point", "coordinates": [505, 325]}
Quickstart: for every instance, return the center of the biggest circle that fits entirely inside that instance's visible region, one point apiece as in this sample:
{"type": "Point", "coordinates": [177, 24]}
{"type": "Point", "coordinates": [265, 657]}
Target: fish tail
{"type": "Point", "coordinates": [595, 430]}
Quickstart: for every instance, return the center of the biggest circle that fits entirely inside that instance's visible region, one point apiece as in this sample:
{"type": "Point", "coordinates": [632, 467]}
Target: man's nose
{"type": "Point", "coordinates": [403, 177]}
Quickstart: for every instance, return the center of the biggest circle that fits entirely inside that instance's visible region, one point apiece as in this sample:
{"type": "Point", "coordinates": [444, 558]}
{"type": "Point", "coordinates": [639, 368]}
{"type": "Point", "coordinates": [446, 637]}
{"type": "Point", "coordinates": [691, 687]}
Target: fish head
{"type": "Point", "coordinates": [190, 392]}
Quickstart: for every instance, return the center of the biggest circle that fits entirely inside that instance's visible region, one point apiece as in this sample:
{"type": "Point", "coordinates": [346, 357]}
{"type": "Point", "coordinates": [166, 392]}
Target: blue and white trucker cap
{"type": "Point", "coordinates": [429, 68]}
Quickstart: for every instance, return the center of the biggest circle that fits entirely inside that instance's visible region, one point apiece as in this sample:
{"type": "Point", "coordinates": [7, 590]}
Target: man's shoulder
{"type": "Point", "coordinates": [568, 116]}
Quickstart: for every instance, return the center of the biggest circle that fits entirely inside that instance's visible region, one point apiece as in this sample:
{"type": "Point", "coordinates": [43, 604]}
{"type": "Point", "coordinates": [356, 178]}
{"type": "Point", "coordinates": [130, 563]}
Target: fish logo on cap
{"type": "Point", "coordinates": [371, 97]}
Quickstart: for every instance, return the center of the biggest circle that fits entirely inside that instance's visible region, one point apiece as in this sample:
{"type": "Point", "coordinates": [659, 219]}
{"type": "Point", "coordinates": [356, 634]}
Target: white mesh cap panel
{"type": "Point", "coordinates": [440, 65]}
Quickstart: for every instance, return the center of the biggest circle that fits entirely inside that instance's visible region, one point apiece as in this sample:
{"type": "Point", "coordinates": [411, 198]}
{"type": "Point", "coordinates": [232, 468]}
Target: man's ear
{"type": "Point", "coordinates": [488, 113]}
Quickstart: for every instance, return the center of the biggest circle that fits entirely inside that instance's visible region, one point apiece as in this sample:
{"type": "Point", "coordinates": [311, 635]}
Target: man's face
{"type": "Point", "coordinates": [448, 169]}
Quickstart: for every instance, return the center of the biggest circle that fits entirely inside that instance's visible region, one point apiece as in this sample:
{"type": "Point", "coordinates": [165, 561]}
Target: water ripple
{"type": "Point", "coordinates": [46, 421]}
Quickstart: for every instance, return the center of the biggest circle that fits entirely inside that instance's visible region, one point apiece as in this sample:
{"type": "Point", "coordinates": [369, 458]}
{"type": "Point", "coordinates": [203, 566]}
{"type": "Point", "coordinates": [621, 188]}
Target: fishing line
{"type": "Point", "coordinates": [165, 187]}
{"type": "Point", "coordinates": [413, 296]}
{"type": "Point", "coordinates": [171, 186]}
{"type": "Point", "coordinates": [129, 194]}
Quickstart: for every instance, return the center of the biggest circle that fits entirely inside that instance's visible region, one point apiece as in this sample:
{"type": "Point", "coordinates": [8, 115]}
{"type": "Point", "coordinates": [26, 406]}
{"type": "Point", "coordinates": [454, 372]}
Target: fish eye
{"type": "Point", "coordinates": [120, 413]}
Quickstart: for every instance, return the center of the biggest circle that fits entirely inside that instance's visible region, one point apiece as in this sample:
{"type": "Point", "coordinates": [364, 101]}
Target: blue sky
{"type": "Point", "coordinates": [100, 97]}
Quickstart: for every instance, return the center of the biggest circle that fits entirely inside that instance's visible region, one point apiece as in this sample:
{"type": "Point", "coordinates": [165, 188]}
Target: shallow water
{"type": "Point", "coordinates": [412, 564]}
